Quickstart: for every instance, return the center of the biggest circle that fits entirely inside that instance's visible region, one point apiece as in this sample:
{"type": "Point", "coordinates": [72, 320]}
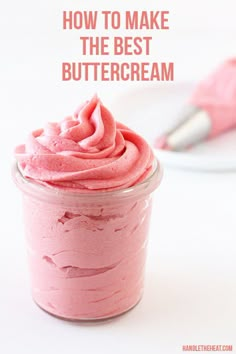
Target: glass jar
{"type": "Point", "coordinates": [87, 251]}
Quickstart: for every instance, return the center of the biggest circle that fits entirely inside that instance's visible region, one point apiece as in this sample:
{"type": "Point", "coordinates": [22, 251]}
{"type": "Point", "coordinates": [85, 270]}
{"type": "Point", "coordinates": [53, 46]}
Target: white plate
{"type": "Point", "coordinates": [152, 110]}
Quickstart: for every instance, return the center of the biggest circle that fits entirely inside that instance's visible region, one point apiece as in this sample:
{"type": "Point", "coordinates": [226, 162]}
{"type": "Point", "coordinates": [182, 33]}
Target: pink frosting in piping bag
{"type": "Point", "coordinates": [87, 151]}
{"type": "Point", "coordinates": [217, 96]}
{"type": "Point", "coordinates": [86, 255]}
{"type": "Point", "coordinates": [211, 111]}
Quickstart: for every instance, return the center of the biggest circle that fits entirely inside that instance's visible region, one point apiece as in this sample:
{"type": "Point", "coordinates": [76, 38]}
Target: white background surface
{"type": "Point", "coordinates": [190, 285]}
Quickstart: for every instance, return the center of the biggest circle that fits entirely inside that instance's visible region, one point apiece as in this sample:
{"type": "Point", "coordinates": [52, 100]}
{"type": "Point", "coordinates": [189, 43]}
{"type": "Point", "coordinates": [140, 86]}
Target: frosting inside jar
{"type": "Point", "coordinates": [86, 253]}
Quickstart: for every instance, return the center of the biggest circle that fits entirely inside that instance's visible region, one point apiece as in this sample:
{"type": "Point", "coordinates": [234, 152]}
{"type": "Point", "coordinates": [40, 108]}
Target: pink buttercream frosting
{"type": "Point", "coordinates": [217, 96]}
{"type": "Point", "coordinates": [86, 151]}
{"type": "Point", "coordinates": [86, 230]}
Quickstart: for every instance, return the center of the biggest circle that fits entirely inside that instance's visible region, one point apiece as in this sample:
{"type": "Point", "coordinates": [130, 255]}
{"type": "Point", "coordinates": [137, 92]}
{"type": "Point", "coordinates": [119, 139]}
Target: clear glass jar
{"type": "Point", "coordinates": [87, 251]}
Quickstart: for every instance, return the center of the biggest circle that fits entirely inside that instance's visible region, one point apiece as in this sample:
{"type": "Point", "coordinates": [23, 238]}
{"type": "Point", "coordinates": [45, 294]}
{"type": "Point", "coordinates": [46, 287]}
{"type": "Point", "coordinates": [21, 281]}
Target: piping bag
{"type": "Point", "coordinates": [210, 111]}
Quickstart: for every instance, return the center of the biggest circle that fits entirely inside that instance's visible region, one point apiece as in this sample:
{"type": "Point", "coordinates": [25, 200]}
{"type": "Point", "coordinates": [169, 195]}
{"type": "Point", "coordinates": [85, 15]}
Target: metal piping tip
{"type": "Point", "coordinates": [194, 128]}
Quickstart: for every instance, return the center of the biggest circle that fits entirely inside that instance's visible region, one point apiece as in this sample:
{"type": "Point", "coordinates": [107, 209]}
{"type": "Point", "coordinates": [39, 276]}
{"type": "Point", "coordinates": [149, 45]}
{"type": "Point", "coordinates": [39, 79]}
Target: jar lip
{"type": "Point", "coordinates": [32, 187]}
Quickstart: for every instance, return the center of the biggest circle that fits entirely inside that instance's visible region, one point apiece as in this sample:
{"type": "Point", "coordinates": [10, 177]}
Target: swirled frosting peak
{"type": "Point", "coordinates": [87, 151]}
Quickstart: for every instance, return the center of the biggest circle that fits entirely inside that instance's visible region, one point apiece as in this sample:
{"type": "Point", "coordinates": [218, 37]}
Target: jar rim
{"type": "Point", "coordinates": [33, 188]}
